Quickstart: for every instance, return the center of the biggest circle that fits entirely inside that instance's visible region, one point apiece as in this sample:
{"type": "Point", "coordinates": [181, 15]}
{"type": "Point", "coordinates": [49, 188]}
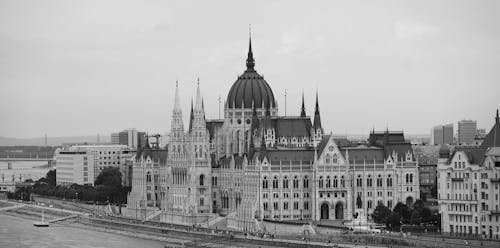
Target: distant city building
{"type": "Point", "coordinates": [466, 132]}
{"type": "Point", "coordinates": [81, 164]}
{"type": "Point", "coordinates": [468, 187]}
{"type": "Point", "coordinates": [129, 137]}
{"type": "Point", "coordinates": [442, 134]}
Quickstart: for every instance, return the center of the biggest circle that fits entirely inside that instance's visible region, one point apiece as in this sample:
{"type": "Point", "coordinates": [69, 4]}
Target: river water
{"type": "Point", "coordinates": [22, 170]}
{"type": "Point", "coordinates": [19, 232]}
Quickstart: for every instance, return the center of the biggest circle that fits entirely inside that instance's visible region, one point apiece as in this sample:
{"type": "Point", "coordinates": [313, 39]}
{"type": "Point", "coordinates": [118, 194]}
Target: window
{"type": "Point", "coordinates": [295, 205]}
{"type": "Point", "coordinates": [266, 206]}
{"type": "Point", "coordinates": [285, 205]}
{"type": "Point", "coordinates": [264, 183]}
{"type": "Point", "coordinates": [306, 205]}
{"type": "Point", "coordinates": [320, 182]}
{"type": "Point", "coordinates": [342, 182]}
{"type": "Point", "coordinates": [202, 201]}
{"type": "Point", "coordinates": [295, 182]}
{"type": "Point", "coordinates": [276, 206]}
{"type": "Point", "coordinates": [306, 182]}
{"type": "Point", "coordinates": [328, 182]}
{"type": "Point", "coordinates": [359, 181]}
{"type": "Point", "coordinates": [285, 183]}
{"type": "Point", "coordinates": [369, 181]}
{"type": "Point", "coordinates": [335, 182]}
{"type": "Point", "coordinates": [379, 181]}
{"type": "Point", "coordinates": [202, 180]}
{"type": "Point", "coordinates": [275, 182]}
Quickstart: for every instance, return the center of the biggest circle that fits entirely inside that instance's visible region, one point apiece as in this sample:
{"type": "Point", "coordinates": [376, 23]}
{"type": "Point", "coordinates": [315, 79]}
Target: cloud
{"type": "Point", "coordinates": [408, 29]}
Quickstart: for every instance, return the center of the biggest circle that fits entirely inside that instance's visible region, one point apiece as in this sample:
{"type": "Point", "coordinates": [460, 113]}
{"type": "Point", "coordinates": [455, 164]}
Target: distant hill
{"type": "Point", "coordinates": [52, 141]}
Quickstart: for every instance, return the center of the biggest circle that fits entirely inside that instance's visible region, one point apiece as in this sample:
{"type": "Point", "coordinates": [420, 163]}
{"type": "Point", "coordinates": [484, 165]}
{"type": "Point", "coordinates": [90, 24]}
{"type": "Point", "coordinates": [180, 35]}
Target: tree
{"type": "Point", "coordinates": [393, 221]}
{"type": "Point", "coordinates": [402, 211]}
{"type": "Point", "coordinates": [110, 177]}
{"type": "Point", "coordinates": [51, 177]}
{"type": "Point", "coordinates": [381, 214]}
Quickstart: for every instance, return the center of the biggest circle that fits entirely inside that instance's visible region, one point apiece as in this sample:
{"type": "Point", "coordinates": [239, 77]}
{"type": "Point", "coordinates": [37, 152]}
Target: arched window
{"type": "Point", "coordinates": [407, 178]}
{"type": "Point", "coordinates": [342, 182]}
{"type": "Point", "coordinates": [320, 182]}
{"type": "Point", "coordinates": [359, 181]}
{"type": "Point", "coordinates": [202, 180]}
{"type": "Point", "coordinates": [379, 181]}
{"type": "Point", "coordinates": [335, 182]}
{"type": "Point", "coordinates": [295, 182]}
{"type": "Point", "coordinates": [369, 181]}
{"type": "Point", "coordinates": [327, 159]}
{"type": "Point", "coordinates": [285, 183]}
{"type": "Point", "coordinates": [389, 181]}
{"type": "Point", "coordinates": [148, 177]}
{"type": "Point", "coordinates": [334, 159]}
{"type": "Point", "coordinates": [264, 183]}
{"type": "Point", "coordinates": [305, 182]}
{"type": "Point", "coordinates": [328, 182]}
{"type": "Point", "coordinates": [275, 182]}
{"type": "Point", "coordinates": [411, 178]}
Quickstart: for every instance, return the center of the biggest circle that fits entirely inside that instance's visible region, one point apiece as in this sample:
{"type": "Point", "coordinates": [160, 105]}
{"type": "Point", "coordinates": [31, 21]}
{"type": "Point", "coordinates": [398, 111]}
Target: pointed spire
{"type": "Point", "coordinates": [191, 117]}
{"type": "Point", "coordinates": [177, 104]}
{"type": "Point", "coordinates": [303, 110]}
{"type": "Point", "coordinates": [250, 60]}
{"type": "Point", "coordinates": [199, 102]}
{"type": "Point", "coordinates": [317, 117]}
{"type": "Point", "coordinates": [497, 118]}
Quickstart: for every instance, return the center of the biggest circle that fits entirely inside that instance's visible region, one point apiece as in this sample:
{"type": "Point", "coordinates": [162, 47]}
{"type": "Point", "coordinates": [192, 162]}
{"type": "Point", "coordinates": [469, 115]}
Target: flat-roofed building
{"type": "Point", "coordinates": [81, 164]}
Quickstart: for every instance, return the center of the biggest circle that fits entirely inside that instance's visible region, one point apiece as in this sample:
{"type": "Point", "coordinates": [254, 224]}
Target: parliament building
{"type": "Point", "coordinates": [255, 165]}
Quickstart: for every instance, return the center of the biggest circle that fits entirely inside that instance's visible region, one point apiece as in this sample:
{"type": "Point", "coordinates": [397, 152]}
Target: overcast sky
{"type": "Point", "coordinates": [88, 67]}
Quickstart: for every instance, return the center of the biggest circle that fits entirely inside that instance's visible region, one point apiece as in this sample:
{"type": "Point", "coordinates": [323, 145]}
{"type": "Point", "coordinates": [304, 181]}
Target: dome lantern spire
{"type": "Point", "coordinates": [250, 60]}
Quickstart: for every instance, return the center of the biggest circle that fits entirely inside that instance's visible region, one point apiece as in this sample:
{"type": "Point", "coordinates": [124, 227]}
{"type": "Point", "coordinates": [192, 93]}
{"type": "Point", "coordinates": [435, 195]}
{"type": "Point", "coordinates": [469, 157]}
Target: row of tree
{"type": "Point", "coordinates": [108, 188]}
{"type": "Point", "coordinates": [402, 214]}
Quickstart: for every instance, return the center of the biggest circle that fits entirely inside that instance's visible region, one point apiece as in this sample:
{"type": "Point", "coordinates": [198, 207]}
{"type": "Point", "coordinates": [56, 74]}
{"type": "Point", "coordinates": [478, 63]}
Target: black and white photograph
{"type": "Point", "coordinates": [237, 123]}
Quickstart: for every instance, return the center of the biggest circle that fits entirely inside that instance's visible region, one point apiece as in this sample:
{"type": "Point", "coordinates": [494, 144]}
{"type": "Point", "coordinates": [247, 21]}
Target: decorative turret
{"type": "Point", "coordinates": [303, 109]}
{"type": "Point", "coordinates": [177, 122]}
{"type": "Point", "coordinates": [317, 128]}
{"type": "Point", "coordinates": [317, 117]}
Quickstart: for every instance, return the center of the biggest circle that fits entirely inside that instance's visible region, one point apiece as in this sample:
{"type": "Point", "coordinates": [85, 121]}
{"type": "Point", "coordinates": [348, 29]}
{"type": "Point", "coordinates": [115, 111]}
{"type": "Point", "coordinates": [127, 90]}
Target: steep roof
{"type": "Point", "coordinates": [290, 155]}
{"type": "Point", "coordinates": [359, 154]}
{"type": "Point", "coordinates": [474, 154]}
{"type": "Point", "coordinates": [322, 143]}
{"type": "Point", "coordinates": [492, 139]}
{"type": "Point", "coordinates": [292, 126]}
{"type": "Point", "coordinates": [154, 154]}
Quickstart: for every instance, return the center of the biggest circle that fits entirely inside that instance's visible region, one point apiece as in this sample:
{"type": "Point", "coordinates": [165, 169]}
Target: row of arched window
{"type": "Point", "coordinates": [285, 182]}
{"type": "Point", "coordinates": [369, 181]}
{"type": "Point", "coordinates": [327, 182]}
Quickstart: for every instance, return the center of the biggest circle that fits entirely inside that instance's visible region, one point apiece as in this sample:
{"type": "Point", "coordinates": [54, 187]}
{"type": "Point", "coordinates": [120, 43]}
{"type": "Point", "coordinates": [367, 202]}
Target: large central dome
{"type": "Point", "coordinates": [250, 88]}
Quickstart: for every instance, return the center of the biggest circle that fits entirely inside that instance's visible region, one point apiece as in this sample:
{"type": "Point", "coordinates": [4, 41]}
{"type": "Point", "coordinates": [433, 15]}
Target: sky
{"type": "Point", "coordinates": [86, 67]}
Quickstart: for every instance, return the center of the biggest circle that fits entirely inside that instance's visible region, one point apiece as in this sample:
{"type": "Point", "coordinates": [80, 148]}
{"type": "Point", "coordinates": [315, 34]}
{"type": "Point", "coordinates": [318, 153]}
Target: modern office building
{"type": "Point", "coordinates": [129, 137]}
{"type": "Point", "coordinates": [442, 134]}
{"type": "Point", "coordinates": [81, 164]}
{"type": "Point", "coordinates": [467, 130]}
{"type": "Point", "coordinates": [469, 187]}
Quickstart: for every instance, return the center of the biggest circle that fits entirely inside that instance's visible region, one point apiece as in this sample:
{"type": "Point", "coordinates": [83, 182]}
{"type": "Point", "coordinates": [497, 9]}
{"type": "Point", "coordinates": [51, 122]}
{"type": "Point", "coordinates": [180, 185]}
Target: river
{"type": "Point", "coordinates": [22, 170]}
{"type": "Point", "coordinates": [19, 232]}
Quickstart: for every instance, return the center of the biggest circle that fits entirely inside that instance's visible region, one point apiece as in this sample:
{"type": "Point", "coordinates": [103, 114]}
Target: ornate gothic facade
{"type": "Point", "coordinates": [254, 165]}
